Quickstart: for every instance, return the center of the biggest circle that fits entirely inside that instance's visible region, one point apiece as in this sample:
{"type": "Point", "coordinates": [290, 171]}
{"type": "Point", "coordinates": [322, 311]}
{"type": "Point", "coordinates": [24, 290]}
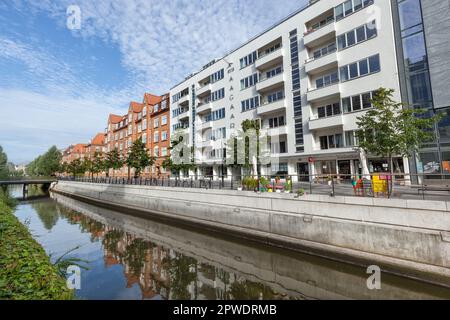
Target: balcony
{"type": "Point", "coordinates": [269, 108]}
{"type": "Point", "coordinates": [183, 100]}
{"type": "Point", "coordinates": [273, 132]}
{"type": "Point", "coordinates": [269, 60]}
{"type": "Point", "coordinates": [315, 37]}
{"type": "Point", "coordinates": [183, 116]}
{"type": "Point", "coordinates": [204, 91]}
{"type": "Point", "coordinates": [206, 144]}
{"type": "Point", "coordinates": [203, 107]}
{"type": "Point", "coordinates": [204, 125]}
{"type": "Point", "coordinates": [267, 84]}
{"type": "Point", "coordinates": [329, 91]}
{"type": "Point", "coordinates": [325, 123]}
{"type": "Point", "coordinates": [321, 64]}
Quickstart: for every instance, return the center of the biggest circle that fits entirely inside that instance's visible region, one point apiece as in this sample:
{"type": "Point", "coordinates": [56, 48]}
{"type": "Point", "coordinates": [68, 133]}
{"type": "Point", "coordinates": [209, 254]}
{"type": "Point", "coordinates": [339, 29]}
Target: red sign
{"type": "Point", "coordinates": [311, 160]}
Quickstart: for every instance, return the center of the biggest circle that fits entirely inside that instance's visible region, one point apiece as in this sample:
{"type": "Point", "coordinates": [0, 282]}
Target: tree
{"type": "Point", "coordinates": [88, 166]}
{"type": "Point", "coordinates": [389, 129]}
{"type": "Point", "coordinates": [138, 158]}
{"type": "Point", "coordinates": [76, 167]}
{"type": "Point", "coordinates": [47, 164]}
{"type": "Point", "coordinates": [97, 163]}
{"type": "Point", "coordinates": [113, 161]}
{"type": "Point", "coordinates": [4, 172]}
{"type": "Point", "coordinates": [233, 146]}
{"type": "Point", "coordinates": [170, 164]}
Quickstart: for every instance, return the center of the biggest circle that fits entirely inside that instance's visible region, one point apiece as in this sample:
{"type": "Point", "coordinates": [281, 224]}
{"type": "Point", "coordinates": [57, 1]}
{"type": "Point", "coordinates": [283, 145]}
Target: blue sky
{"type": "Point", "coordinates": [57, 86]}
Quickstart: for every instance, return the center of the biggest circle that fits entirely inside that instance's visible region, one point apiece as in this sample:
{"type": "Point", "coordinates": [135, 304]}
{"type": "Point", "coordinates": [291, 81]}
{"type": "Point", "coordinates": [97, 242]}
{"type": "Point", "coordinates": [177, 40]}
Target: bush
{"type": "Point", "coordinates": [25, 269]}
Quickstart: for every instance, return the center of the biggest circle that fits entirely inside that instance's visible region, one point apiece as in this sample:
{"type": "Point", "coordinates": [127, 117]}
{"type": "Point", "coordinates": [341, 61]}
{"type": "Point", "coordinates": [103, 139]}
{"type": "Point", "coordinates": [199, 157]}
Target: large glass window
{"type": "Point", "coordinates": [410, 13]}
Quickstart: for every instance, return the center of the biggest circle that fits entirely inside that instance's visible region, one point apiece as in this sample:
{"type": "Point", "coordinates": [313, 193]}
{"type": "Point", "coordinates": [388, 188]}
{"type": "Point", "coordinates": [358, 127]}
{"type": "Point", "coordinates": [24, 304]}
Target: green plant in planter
{"type": "Point", "coordinates": [263, 184]}
{"type": "Point", "coordinates": [288, 186]}
{"type": "Point", "coordinates": [300, 193]}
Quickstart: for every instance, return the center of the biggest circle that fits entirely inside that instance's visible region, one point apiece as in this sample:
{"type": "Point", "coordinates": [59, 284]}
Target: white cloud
{"type": "Point", "coordinates": [160, 43]}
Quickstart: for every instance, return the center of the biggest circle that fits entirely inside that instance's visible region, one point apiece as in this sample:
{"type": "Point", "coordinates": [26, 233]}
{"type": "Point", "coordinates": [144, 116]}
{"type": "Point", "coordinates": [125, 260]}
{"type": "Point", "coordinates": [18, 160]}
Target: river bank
{"type": "Point", "coordinates": [25, 269]}
{"type": "Point", "coordinates": [404, 237]}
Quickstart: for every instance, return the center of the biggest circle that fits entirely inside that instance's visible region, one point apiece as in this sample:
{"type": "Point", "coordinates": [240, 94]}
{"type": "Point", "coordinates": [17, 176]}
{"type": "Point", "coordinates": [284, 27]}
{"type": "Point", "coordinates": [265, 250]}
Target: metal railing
{"type": "Point", "coordinates": [376, 185]}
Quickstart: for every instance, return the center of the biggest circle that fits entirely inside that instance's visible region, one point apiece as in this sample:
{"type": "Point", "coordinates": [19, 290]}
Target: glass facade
{"type": "Point", "coordinates": [434, 156]}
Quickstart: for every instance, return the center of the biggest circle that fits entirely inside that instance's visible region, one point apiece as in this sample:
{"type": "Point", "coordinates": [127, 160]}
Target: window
{"type": "Point", "coordinates": [217, 95]}
{"type": "Point", "coordinates": [219, 75]}
{"type": "Point", "coordinates": [156, 108]}
{"type": "Point", "coordinates": [327, 80]}
{"type": "Point", "coordinates": [339, 12]}
{"type": "Point", "coordinates": [374, 63]}
{"type": "Point", "coordinates": [348, 8]}
{"type": "Point", "coordinates": [350, 138]}
{"type": "Point", "coordinates": [366, 100]}
{"type": "Point", "coordinates": [351, 40]}
{"type": "Point", "coordinates": [410, 14]}
{"type": "Point", "coordinates": [356, 103]}
{"type": "Point", "coordinates": [342, 42]}
{"type": "Point", "coordinates": [144, 125]}
{"type": "Point", "coordinates": [359, 102]}
{"type": "Point", "coordinates": [357, 35]}
{"type": "Point", "coordinates": [156, 152]}
{"type": "Point", "coordinates": [249, 81]}
{"type": "Point", "coordinates": [275, 96]}
{"type": "Point", "coordinates": [331, 141]}
{"type": "Point", "coordinates": [274, 72]}
{"type": "Point", "coordinates": [144, 139]}
{"type": "Point", "coordinates": [163, 120]}
{"type": "Point", "coordinates": [156, 137]}
{"type": "Point", "coordinates": [250, 104]}
{"type": "Point", "coordinates": [352, 71]}
{"type": "Point", "coordinates": [163, 152]}
{"type": "Point", "coordinates": [353, 68]}
{"type": "Point", "coordinates": [363, 68]}
{"type": "Point", "coordinates": [163, 104]}
{"type": "Point", "coordinates": [325, 50]}
{"type": "Point", "coordinates": [139, 127]}
{"type": "Point", "coordinates": [276, 122]}
{"type": "Point", "coordinates": [144, 111]}
{"type": "Point", "coordinates": [248, 60]}
{"type": "Point", "coordinates": [164, 136]}
{"type": "Point", "coordinates": [156, 123]}
{"type": "Point", "coordinates": [361, 34]}
{"type": "Point", "coordinates": [329, 110]}
{"type": "Point", "coordinates": [218, 114]}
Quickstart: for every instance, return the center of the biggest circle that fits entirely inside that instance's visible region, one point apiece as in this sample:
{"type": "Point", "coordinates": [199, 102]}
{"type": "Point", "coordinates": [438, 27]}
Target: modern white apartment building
{"type": "Point", "coordinates": [307, 79]}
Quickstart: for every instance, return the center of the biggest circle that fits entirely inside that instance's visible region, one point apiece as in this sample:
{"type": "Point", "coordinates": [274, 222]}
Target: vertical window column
{"type": "Point", "coordinates": [297, 101]}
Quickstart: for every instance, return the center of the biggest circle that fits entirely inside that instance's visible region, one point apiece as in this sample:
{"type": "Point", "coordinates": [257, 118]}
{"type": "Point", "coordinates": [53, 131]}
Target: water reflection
{"type": "Point", "coordinates": [135, 258]}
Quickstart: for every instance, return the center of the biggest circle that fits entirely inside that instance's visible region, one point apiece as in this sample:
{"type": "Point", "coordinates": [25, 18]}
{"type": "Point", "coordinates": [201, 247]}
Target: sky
{"type": "Point", "coordinates": [59, 84]}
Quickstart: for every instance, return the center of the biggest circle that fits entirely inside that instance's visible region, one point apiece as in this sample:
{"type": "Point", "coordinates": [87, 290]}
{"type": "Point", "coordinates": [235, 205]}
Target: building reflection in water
{"type": "Point", "coordinates": [163, 273]}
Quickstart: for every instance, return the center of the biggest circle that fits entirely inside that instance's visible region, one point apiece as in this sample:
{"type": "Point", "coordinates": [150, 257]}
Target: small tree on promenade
{"type": "Point", "coordinates": [138, 158]}
{"type": "Point", "coordinates": [97, 163]}
{"type": "Point", "coordinates": [76, 167]}
{"type": "Point", "coordinates": [113, 161]}
{"type": "Point", "coordinates": [388, 129]}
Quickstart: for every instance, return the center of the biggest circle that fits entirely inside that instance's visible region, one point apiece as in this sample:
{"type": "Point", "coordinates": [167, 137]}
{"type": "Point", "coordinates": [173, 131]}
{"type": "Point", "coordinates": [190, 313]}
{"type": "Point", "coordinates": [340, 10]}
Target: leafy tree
{"type": "Point", "coordinates": [169, 163]}
{"type": "Point", "coordinates": [76, 167]}
{"type": "Point", "coordinates": [47, 164]}
{"type": "Point", "coordinates": [388, 129]}
{"type": "Point", "coordinates": [113, 161]}
{"type": "Point", "coordinates": [4, 171]}
{"type": "Point", "coordinates": [88, 166]}
{"type": "Point", "coordinates": [97, 163]}
{"type": "Point", "coordinates": [233, 145]}
{"type": "Point", "coordinates": [138, 158]}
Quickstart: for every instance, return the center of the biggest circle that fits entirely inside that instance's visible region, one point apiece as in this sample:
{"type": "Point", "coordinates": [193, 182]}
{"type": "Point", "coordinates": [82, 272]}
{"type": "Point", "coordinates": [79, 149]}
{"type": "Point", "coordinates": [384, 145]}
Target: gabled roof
{"type": "Point", "coordinates": [99, 139]}
{"type": "Point", "coordinates": [136, 106]}
{"type": "Point", "coordinates": [151, 99]}
{"type": "Point", "coordinates": [79, 148]}
{"type": "Point", "coordinates": [114, 118]}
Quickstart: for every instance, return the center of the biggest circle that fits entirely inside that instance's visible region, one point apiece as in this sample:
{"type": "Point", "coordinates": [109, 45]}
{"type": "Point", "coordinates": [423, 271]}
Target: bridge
{"type": "Point", "coordinates": [26, 181]}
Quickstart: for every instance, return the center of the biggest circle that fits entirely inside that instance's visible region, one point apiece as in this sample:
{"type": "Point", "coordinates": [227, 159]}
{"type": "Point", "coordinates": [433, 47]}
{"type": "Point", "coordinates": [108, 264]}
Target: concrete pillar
{"type": "Point", "coordinates": [407, 171]}
{"type": "Point", "coordinates": [292, 170]}
{"type": "Point", "coordinates": [312, 170]}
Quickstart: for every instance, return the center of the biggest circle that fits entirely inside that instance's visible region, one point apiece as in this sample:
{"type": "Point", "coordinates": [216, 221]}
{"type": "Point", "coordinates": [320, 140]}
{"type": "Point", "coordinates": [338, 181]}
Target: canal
{"type": "Point", "coordinates": [134, 258]}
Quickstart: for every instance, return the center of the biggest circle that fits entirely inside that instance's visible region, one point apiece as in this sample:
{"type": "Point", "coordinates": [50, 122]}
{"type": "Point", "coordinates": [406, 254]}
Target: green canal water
{"type": "Point", "coordinates": [135, 258]}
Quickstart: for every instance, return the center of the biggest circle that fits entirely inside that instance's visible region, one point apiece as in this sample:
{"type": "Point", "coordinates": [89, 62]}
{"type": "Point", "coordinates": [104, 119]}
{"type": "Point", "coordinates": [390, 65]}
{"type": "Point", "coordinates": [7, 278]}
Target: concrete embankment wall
{"type": "Point", "coordinates": [408, 237]}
